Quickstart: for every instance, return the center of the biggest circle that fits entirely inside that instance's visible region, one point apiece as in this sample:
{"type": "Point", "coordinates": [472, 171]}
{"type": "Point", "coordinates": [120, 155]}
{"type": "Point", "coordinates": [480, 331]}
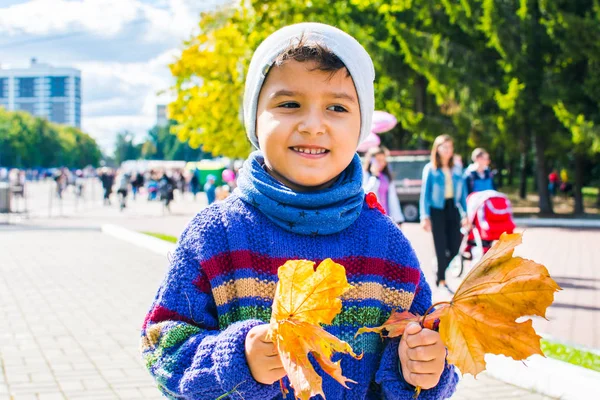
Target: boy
{"type": "Point", "coordinates": [308, 103]}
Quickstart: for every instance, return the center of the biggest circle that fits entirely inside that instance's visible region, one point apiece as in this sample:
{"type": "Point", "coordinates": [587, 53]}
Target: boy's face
{"type": "Point", "coordinates": [308, 124]}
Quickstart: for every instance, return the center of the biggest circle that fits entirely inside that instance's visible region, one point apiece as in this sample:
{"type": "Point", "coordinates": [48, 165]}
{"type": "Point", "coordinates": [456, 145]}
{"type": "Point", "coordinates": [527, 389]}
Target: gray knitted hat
{"type": "Point", "coordinates": [345, 47]}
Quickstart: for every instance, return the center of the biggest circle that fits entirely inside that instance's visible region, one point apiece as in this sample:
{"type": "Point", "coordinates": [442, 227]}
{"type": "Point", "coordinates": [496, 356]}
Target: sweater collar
{"type": "Point", "coordinates": [322, 212]}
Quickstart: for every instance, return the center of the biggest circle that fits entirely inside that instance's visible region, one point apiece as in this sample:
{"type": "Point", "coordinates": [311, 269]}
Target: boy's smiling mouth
{"type": "Point", "coordinates": [310, 151]}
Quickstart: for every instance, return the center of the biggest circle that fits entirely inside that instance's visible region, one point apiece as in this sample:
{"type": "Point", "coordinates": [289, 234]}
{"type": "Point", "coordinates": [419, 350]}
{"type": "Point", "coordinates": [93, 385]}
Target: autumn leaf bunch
{"type": "Point", "coordinates": [480, 318]}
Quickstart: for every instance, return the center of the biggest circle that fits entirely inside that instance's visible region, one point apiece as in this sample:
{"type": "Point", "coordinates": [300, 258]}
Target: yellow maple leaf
{"type": "Point", "coordinates": [304, 299]}
{"type": "Point", "coordinates": [481, 317]}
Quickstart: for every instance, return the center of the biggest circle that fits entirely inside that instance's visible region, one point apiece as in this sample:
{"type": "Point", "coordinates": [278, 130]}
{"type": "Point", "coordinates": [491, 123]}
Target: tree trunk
{"type": "Point", "coordinates": [598, 198]}
{"type": "Point", "coordinates": [420, 98]}
{"type": "Point", "coordinates": [511, 171]}
{"type": "Point", "coordinates": [524, 166]}
{"type": "Point", "coordinates": [578, 185]}
{"type": "Point", "coordinates": [542, 175]}
{"type": "Point", "coordinates": [500, 167]}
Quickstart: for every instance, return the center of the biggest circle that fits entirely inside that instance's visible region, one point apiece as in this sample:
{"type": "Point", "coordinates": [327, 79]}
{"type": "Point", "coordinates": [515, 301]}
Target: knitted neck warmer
{"type": "Point", "coordinates": [322, 212]}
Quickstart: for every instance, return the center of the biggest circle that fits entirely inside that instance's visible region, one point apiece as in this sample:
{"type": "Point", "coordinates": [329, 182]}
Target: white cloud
{"type": "Point", "coordinates": [105, 18]}
{"type": "Point", "coordinates": [104, 129]}
{"type": "Point", "coordinates": [134, 89]}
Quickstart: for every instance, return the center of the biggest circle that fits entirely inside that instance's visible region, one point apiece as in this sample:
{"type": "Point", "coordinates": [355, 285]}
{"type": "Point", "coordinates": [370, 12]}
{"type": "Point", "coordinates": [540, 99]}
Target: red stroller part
{"type": "Point", "coordinates": [490, 215]}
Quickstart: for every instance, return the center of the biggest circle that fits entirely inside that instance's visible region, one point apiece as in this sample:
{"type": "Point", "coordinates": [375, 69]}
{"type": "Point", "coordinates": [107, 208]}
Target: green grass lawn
{"type": "Point", "coordinates": [168, 238]}
{"type": "Point", "coordinates": [554, 350]}
{"type": "Point", "coordinates": [571, 355]}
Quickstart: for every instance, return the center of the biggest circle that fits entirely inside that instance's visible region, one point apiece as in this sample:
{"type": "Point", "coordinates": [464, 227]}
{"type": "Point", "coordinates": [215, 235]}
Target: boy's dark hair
{"type": "Point", "coordinates": [307, 50]}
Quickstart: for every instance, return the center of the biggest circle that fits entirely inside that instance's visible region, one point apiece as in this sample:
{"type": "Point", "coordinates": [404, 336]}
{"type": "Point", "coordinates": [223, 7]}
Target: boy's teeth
{"type": "Point", "coordinates": [309, 151]}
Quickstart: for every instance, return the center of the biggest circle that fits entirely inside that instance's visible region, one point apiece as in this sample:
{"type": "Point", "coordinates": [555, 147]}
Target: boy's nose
{"type": "Point", "coordinates": [313, 123]}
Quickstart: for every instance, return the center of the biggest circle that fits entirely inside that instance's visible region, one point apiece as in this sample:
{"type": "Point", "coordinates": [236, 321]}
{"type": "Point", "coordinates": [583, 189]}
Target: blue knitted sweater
{"type": "Point", "coordinates": [221, 283]}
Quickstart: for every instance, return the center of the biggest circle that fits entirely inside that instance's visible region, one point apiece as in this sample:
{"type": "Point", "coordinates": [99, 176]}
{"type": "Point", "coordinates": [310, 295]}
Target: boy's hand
{"type": "Point", "coordinates": [262, 357]}
{"type": "Point", "coordinates": [422, 356]}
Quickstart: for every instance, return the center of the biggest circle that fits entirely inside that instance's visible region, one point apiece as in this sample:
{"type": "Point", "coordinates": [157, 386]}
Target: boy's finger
{"type": "Point", "coordinates": [422, 367]}
{"type": "Point", "coordinates": [269, 349]}
{"type": "Point", "coordinates": [277, 374]}
{"type": "Point", "coordinates": [272, 353]}
{"type": "Point", "coordinates": [274, 363]}
{"type": "Point", "coordinates": [266, 341]}
{"type": "Point", "coordinates": [420, 379]}
{"type": "Point", "coordinates": [412, 329]}
{"type": "Point", "coordinates": [422, 353]}
{"type": "Point", "coordinates": [424, 337]}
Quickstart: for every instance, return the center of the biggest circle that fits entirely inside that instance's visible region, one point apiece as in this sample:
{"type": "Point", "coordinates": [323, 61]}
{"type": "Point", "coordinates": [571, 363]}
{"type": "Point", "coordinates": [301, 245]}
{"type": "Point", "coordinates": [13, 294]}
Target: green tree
{"type": "Point", "coordinates": [161, 144]}
{"type": "Point", "coordinates": [520, 78]}
{"type": "Point", "coordinates": [30, 142]}
{"type": "Point", "coordinates": [209, 85]}
{"type": "Point", "coordinates": [125, 149]}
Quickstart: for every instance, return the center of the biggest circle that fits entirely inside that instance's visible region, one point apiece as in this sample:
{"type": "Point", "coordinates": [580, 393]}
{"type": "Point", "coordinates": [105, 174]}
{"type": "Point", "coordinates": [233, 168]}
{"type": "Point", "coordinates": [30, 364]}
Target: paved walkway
{"type": "Point", "coordinates": [71, 311]}
{"type": "Point", "coordinates": [571, 255]}
{"type": "Point", "coordinates": [72, 308]}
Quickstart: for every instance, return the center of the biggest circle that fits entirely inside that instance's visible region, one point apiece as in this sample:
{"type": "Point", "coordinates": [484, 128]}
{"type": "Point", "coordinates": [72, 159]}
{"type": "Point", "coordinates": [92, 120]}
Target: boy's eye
{"type": "Point", "coordinates": [337, 109]}
{"type": "Point", "coordinates": [289, 104]}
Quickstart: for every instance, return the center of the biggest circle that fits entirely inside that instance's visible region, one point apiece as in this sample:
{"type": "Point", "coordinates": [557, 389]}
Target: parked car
{"type": "Point", "coordinates": [407, 170]}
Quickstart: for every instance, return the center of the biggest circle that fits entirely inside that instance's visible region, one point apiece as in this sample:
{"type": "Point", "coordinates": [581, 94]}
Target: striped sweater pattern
{"type": "Point", "coordinates": [221, 283]}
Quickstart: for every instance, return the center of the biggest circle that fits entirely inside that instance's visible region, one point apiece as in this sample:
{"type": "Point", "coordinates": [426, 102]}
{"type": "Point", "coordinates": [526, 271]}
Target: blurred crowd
{"type": "Point", "coordinates": [119, 184]}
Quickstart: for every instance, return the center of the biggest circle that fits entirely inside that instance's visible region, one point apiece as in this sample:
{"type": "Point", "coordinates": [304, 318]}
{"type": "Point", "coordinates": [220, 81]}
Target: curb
{"type": "Point", "coordinates": [557, 223]}
{"type": "Point", "coordinates": [153, 244]}
{"type": "Point", "coordinates": [547, 376]}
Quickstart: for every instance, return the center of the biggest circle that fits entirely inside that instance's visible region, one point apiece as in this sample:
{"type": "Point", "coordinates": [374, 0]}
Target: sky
{"type": "Point", "coordinates": [122, 48]}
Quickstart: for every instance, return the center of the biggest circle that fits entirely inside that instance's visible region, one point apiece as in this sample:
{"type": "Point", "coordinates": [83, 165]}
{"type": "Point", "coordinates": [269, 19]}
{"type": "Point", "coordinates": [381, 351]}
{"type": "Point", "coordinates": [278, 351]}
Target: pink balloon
{"type": "Point", "coordinates": [372, 140]}
{"type": "Point", "coordinates": [383, 122]}
{"type": "Point", "coordinates": [228, 175]}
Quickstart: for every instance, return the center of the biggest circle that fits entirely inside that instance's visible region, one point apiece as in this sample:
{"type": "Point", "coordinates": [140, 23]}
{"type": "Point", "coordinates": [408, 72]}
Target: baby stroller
{"type": "Point", "coordinates": [490, 215]}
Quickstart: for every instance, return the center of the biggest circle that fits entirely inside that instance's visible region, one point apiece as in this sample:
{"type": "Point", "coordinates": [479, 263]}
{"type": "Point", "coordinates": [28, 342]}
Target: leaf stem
{"type": "Point", "coordinates": [431, 308]}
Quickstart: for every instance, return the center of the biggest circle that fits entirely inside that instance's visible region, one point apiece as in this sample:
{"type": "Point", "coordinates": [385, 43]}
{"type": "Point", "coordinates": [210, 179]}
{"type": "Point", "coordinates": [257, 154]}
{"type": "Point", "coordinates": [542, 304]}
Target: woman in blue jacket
{"type": "Point", "coordinates": [443, 204]}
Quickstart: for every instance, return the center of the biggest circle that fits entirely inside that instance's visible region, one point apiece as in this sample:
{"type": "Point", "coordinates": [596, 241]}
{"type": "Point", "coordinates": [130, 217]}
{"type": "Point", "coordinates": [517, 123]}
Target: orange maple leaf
{"type": "Point", "coordinates": [304, 299]}
{"type": "Point", "coordinates": [481, 317]}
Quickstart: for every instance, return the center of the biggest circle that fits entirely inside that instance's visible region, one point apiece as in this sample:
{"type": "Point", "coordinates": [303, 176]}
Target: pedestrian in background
{"type": "Point", "coordinates": [166, 187]}
{"type": "Point", "coordinates": [443, 204]}
{"type": "Point", "coordinates": [107, 179]}
{"type": "Point", "coordinates": [61, 180]}
{"type": "Point", "coordinates": [79, 183]}
{"type": "Point", "coordinates": [194, 183]}
{"type": "Point", "coordinates": [210, 189]}
{"type": "Point", "coordinates": [137, 182]}
{"type": "Point", "coordinates": [123, 179]}
{"type": "Point", "coordinates": [378, 179]}
{"type": "Point", "coordinates": [478, 176]}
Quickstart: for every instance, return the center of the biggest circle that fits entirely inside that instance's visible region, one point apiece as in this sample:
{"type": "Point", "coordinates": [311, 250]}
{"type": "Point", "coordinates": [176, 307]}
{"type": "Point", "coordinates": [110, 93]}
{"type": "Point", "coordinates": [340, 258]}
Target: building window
{"type": "Point", "coordinates": [77, 87]}
{"type": "Point", "coordinates": [3, 90]}
{"type": "Point", "coordinates": [58, 113]}
{"type": "Point", "coordinates": [58, 86]}
{"type": "Point", "coordinates": [26, 87]}
{"type": "Point", "coordinates": [29, 107]}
